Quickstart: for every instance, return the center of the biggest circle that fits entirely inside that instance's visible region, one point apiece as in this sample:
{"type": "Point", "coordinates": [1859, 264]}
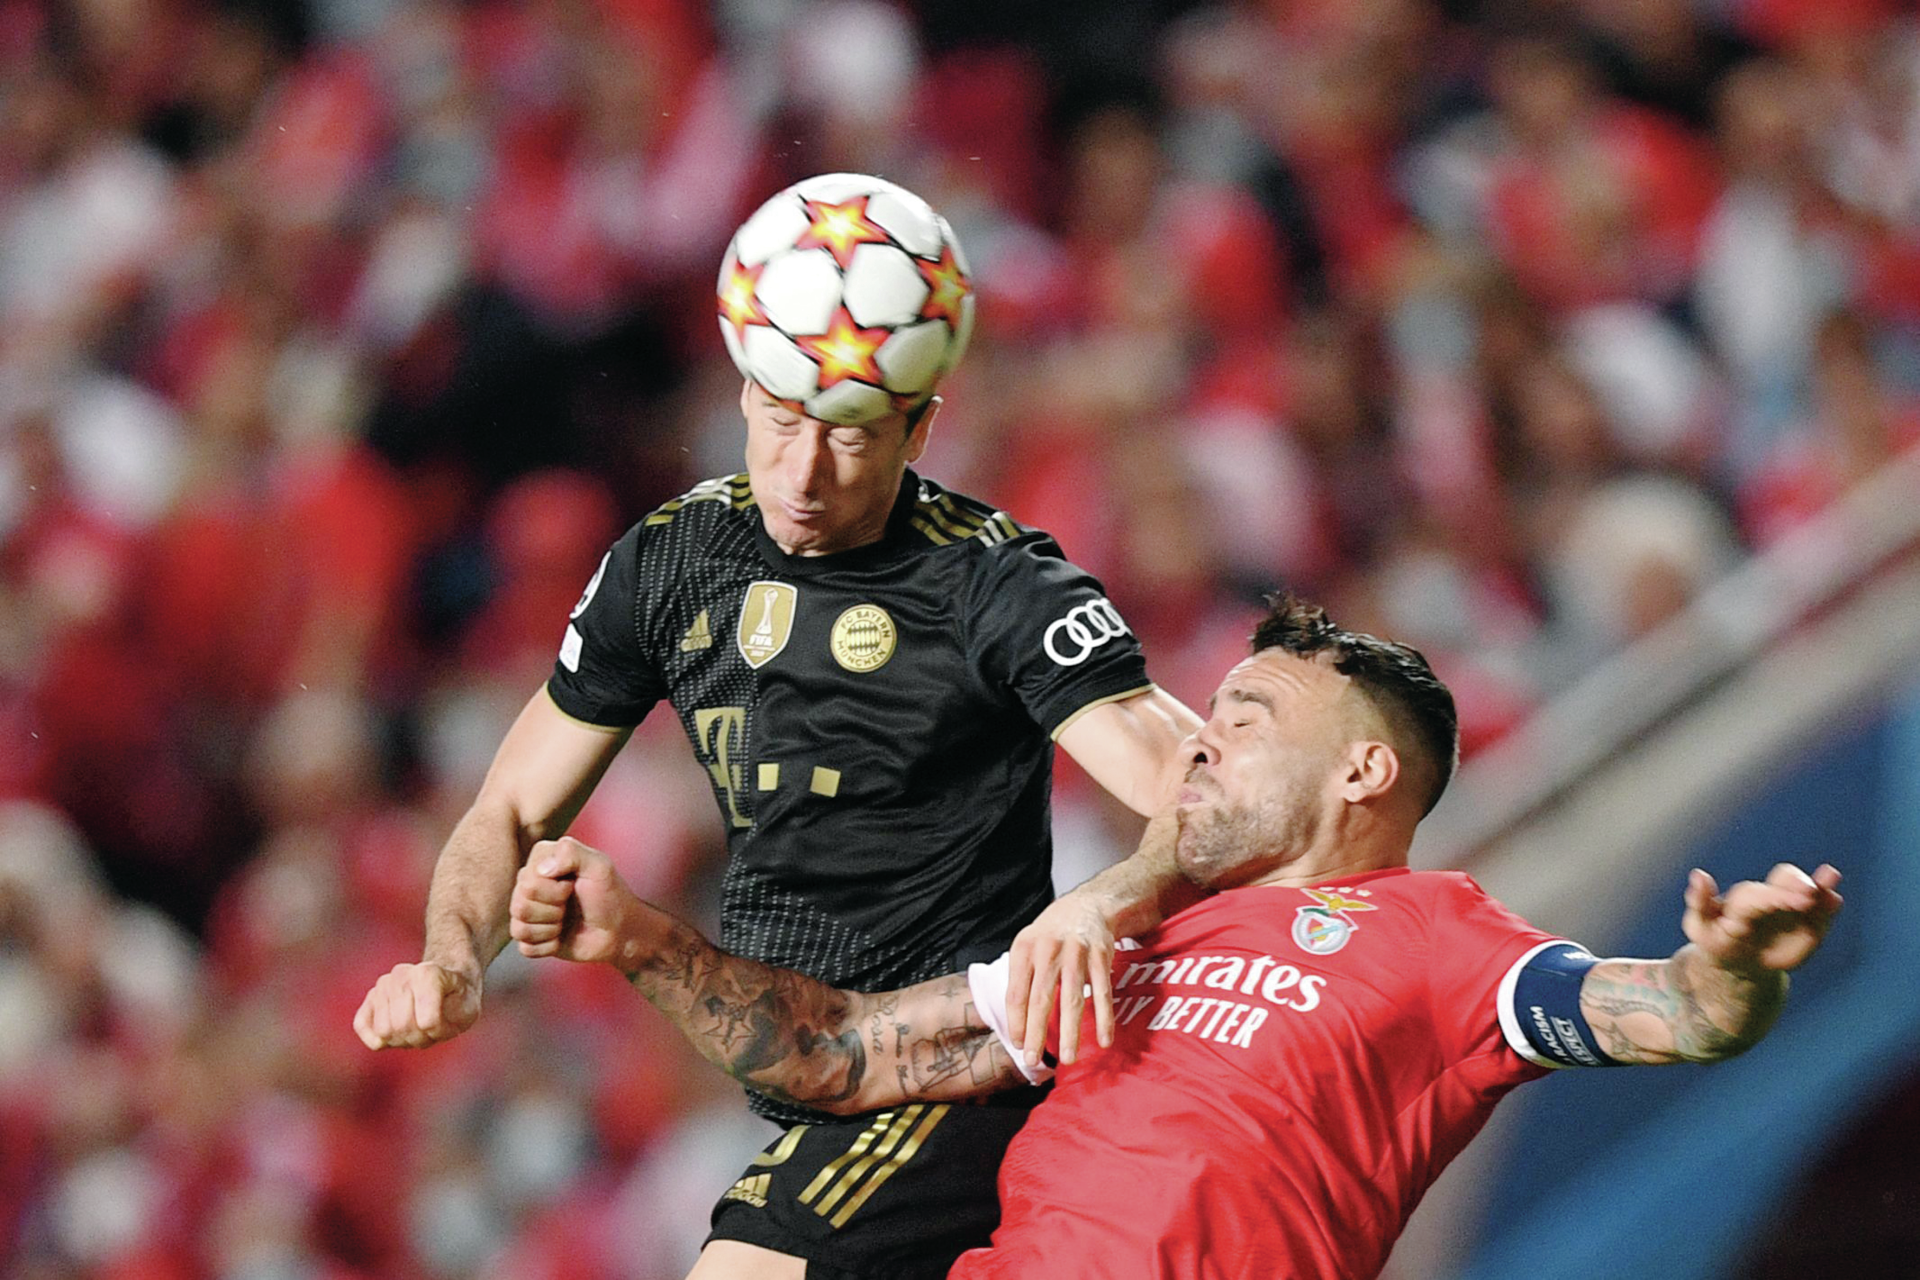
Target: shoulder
{"type": "Point", "coordinates": [953, 520]}
{"type": "Point", "coordinates": [710, 503]}
{"type": "Point", "coordinates": [1438, 895]}
{"type": "Point", "coordinates": [714, 517]}
{"type": "Point", "coordinates": [994, 552]}
{"type": "Point", "coordinates": [1439, 885]}
{"type": "Point", "coordinates": [1459, 912]}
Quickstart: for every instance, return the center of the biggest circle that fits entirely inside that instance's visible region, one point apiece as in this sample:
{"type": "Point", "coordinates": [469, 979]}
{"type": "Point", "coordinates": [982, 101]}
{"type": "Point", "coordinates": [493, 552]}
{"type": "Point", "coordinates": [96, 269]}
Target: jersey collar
{"type": "Point", "coordinates": [1357, 877]}
{"type": "Point", "coordinates": [889, 545]}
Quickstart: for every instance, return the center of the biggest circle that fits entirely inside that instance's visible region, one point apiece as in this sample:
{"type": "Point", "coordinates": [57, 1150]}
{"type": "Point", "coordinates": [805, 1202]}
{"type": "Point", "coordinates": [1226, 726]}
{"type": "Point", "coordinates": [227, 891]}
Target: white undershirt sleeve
{"type": "Point", "coordinates": [989, 985]}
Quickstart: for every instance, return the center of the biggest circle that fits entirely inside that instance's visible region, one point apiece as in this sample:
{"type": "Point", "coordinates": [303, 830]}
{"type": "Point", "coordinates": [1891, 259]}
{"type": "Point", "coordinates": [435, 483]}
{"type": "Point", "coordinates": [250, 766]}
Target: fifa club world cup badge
{"type": "Point", "coordinates": [1325, 927]}
{"type": "Point", "coordinates": [766, 621]}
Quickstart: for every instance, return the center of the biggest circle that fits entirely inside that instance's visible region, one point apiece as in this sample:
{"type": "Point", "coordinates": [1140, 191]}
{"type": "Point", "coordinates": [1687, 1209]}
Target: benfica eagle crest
{"type": "Point", "coordinates": [1325, 927]}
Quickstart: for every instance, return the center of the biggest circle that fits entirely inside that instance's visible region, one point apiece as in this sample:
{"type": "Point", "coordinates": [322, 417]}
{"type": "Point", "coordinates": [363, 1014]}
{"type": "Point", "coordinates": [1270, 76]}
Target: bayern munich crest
{"type": "Point", "coordinates": [863, 638]}
{"type": "Point", "coordinates": [1324, 927]}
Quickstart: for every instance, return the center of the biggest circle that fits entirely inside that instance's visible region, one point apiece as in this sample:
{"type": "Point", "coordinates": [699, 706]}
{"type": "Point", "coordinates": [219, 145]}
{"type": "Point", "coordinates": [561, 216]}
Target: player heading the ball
{"type": "Point", "coordinates": [859, 659]}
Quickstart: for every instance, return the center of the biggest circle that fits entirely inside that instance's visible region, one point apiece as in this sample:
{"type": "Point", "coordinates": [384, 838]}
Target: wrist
{"type": "Point", "coordinates": [629, 955]}
{"type": "Point", "coordinates": [1101, 908]}
{"type": "Point", "coordinates": [642, 936]}
{"type": "Point", "coordinates": [1731, 966]}
{"type": "Point", "coordinates": [464, 968]}
{"type": "Point", "coordinates": [1735, 1002]}
{"type": "Point", "coordinates": [1740, 986]}
{"type": "Point", "coordinates": [1096, 899]}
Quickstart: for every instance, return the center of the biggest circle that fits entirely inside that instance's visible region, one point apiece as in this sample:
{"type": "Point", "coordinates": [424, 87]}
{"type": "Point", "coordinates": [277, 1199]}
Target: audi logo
{"type": "Point", "coordinates": [1071, 640]}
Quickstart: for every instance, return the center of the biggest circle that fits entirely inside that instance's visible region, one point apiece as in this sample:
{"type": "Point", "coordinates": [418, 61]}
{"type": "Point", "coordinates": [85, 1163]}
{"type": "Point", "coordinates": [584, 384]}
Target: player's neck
{"type": "Point", "coordinates": [1337, 861]}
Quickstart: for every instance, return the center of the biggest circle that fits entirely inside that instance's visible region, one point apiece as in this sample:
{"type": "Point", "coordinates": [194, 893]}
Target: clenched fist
{"type": "Point", "coordinates": [569, 902]}
{"type": "Point", "coordinates": [415, 1005]}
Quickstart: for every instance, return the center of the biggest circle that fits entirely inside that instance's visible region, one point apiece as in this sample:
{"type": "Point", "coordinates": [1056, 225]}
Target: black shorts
{"type": "Point", "coordinates": [896, 1195]}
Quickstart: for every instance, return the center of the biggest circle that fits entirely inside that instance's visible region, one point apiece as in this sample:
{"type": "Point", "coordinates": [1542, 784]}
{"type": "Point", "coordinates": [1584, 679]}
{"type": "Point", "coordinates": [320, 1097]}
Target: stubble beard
{"type": "Point", "coordinates": [1226, 846]}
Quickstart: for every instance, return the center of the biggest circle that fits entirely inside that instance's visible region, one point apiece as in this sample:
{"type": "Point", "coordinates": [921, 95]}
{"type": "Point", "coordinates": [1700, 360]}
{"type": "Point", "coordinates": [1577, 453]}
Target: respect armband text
{"type": "Point", "coordinates": [1540, 1008]}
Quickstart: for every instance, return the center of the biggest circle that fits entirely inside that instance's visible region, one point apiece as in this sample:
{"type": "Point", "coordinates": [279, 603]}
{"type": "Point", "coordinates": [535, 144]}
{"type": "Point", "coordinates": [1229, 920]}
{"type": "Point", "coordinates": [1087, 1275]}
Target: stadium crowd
{"type": "Point", "coordinates": [337, 340]}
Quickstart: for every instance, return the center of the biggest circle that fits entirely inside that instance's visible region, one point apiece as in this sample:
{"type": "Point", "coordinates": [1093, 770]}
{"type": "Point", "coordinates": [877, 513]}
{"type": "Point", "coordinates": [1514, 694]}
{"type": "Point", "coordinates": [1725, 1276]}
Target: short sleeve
{"type": "Point", "coordinates": [988, 982]}
{"type": "Point", "coordinates": [603, 676]}
{"type": "Point", "coordinates": [1043, 628]}
{"type": "Point", "coordinates": [1475, 944]}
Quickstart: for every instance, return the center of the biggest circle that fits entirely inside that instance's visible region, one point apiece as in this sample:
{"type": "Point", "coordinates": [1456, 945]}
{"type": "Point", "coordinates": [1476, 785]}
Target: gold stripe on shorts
{"type": "Point", "coordinates": [892, 1166]}
{"type": "Point", "coordinates": [852, 1153]}
{"type": "Point", "coordinates": [859, 1171]}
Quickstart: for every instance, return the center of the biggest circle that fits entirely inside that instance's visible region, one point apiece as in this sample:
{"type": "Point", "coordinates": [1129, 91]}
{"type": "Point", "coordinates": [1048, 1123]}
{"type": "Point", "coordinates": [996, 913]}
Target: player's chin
{"type": "Point", "coordinates": [1208, 855]}
{"type": "Point", "coordinates": [1191, 853]}
{"type": "Point", "coordinates": [798, 535]}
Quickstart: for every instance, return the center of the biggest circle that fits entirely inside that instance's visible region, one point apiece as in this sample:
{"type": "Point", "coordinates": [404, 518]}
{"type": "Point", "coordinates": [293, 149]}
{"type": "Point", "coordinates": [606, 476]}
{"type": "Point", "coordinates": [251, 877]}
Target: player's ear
{"type": "Point", "coordinates": [921, 430]}
{"type": "Point", "coordinates": [1372, 769]}
{"type": "Point", "coordinates": [746, 397]}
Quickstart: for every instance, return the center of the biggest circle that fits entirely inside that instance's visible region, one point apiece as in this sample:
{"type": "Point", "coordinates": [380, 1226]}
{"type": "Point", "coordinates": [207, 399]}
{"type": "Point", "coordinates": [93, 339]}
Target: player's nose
{"type": "Point", "coordinates": [1199, 748]}
{"type": "Point", "coordinates": [806, 461]}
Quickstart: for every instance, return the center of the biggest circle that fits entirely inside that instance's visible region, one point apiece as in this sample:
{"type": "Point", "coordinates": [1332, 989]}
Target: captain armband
{"type": "Point", "coordinates": [1539, 1006]}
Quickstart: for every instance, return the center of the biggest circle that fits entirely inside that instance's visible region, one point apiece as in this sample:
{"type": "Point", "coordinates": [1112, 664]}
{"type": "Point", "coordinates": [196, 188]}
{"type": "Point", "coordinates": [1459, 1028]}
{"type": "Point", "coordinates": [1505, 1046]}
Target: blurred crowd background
{"type": "Point", "coordinates": [339, 338]}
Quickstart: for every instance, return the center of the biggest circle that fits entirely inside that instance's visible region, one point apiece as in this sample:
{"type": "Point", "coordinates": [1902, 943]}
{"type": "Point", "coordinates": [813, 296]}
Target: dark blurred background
{"type": "Point", "coordinates": [339, 338]}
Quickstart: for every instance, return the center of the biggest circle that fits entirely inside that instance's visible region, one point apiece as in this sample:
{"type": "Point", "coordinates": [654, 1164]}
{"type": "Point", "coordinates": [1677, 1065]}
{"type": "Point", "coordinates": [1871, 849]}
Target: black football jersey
{"type": "Point", "coordinates": [876, 724]}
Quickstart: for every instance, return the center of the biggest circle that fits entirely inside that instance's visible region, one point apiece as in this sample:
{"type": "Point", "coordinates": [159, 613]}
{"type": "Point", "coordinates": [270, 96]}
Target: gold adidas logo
{"type": "Point", "coordinates": [751, 1189]}
{"type": "Point", "coordinates": [699, 636]}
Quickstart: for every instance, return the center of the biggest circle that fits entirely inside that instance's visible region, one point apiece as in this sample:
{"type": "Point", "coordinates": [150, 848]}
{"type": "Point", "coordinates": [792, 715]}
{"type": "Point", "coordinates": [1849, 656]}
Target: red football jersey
{"type": "Point", "coordinates": [1291, 1069]}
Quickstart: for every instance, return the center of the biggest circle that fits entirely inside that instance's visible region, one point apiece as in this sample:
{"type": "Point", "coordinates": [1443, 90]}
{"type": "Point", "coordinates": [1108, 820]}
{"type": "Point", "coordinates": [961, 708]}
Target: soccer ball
{"type": "Point", "coordinates": [848, 294]}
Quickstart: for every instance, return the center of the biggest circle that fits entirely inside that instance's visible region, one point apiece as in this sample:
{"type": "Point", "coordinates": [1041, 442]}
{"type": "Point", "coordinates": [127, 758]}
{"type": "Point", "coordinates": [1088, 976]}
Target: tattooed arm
{"type": "Point", "coordinates": [774, 1030]}
{"type": "Point", "coordinates": [1686, 1009]}
{"type": "Point", "coordinates": [1721, 992]}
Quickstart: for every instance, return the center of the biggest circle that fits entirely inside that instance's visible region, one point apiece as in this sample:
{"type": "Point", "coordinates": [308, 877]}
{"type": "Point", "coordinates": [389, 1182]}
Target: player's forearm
{"type": "Point", "coordinates": [774, 1030]}
{"type": "Point", "coordinates": [1157, 724]}
{"type": "Point", "coordinates": [799, 1040]}
{"type": "Point", "coordinates": [1138, 894]}
{"type": "Point", "coordinates": [472, 884]}
{"type": "Point", "coordinates": [1686, 1009]}
{"type": "Point", "coordinates": [1132, 747]}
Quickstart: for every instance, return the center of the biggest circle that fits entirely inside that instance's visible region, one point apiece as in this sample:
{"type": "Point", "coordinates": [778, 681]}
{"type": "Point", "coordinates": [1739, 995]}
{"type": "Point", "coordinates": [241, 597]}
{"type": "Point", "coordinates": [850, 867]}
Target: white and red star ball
{"type": "Point", "coordinates": [847, 294]}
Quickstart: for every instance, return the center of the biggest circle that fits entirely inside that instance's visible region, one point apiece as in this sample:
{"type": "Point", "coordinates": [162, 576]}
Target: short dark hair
{"type": "Point", "coordinates": [1396, 678]}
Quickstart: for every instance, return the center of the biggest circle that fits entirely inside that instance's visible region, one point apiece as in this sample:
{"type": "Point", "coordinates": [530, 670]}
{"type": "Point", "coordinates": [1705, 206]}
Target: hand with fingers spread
{"type": "Point", "coordinates": [569, 902]}
{"type": "Point", "coordinates": [1758, 925]}
{"type": "Point", "coordinates": [416, 1005]}
{"type": "Point", "coordinates": [1718, 995]}
{"type": "Point", "coordinates": [1067, 951]}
